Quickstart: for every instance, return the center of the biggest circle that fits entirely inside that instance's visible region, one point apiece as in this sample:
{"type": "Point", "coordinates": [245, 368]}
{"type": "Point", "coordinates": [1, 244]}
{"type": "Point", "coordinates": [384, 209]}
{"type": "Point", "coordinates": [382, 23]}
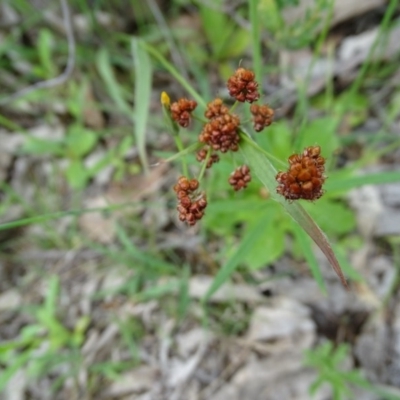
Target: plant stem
{"type": "Point", "coordinates": [244, 136]}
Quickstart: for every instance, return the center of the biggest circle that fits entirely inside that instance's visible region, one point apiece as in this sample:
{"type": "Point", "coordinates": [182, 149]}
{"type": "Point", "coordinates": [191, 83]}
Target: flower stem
{"type": "Point", "coordinates": [204, 166]}
{"type": "Point", "coordinates": [244, 136]}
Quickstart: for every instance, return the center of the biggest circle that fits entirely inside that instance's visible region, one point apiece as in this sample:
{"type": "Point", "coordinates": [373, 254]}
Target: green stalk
{"type": "Point", "coordinates": [256, 38]}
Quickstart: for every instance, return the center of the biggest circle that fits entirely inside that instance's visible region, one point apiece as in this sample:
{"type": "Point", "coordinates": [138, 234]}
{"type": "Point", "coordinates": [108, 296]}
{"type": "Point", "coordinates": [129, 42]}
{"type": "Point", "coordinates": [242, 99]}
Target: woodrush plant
{"type": "Point", "coordinates": [223, 132]}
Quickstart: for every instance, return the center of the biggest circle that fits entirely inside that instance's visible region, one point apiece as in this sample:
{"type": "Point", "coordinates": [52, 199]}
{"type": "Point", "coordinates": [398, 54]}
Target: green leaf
{"type": "Point", "coordinates": [223, 215]}
{"type": "Point", "coordinates": [277, 139]}
{"type": "Point", "coordinates": [265, 171]}
{"type": "Point", "coordinates": [346, 183]}
{"type": "Point", "coordinates": [269, 245]}
{"type": "Point", "coordinates": [344, 220]}
{"type": "Point", "coordinates": [348, 269]}
{"type": "Point", "coordinates": [271, 16]}
{"type": "Point", "coordinates": [143, 81]}
{"type": "Point", "coordinates": [76, 174]}
{"type": "Point", "coordinates": [174, 72]}
{"type": "Point", "coordinates": [308, 252]}
{"type": "Point", "coordinates": [38, 146]}
{"type": "Point", "coordinates": [16, 364]}
{"type": "Point", "coordinates": [80, 141]}
{"type": "Point", "coordinates": [215, 25]}
{"type": "Point", "coordinates": [151, 265]}
{"type": "Point", "coordinates": [105, 69]}
{"type": "Point", "coordinates": [234, 261]}
{"type": "Point", "coordinates": [322, 132]}
{"type": "Point", "coordinates": [236, 44]}
{"type": "Point", "coordinates": [45, 40]}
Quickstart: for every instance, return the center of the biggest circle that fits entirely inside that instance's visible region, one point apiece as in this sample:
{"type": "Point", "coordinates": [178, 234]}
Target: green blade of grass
{"type": "Point", "coordinates": [266, 172]}
{"type": "Point", "coordinates": [345, 184]}
{"type": "Point", "coordinates": [59, 214]}
{"type": "Point", "coordinates": [113, 87]}
{"type": "Point", "coordinates": [305, 245]}
{"type": "Point", "coordinates": [188, 150]}
{"type": "Point", "coordinates": [153, 264]}
{"type": "Point", "coordinates": [18, 361]}
{"type": "Point", "coordinates": [174, 72]}
{"type": "Point", "coordinates": [142, 94]}
{"type": "Point", "coordinates": [226, 271]}
{"type": "Point", "coordinates": [256, 39]}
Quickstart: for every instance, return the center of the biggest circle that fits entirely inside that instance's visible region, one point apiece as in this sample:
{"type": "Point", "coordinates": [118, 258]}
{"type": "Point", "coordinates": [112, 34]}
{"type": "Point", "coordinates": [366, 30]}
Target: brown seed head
{"type": "Point", "coordinates": [262, 116]}
{"type": "Point", "coordinates": [181, 111]}
{"type": "Point", "coordinates": [202, 155]}
{"type": "Point", "coordinates": [221, 133]}
{"type": "Point", "coordinates": [305, 176]}
{"type": "Point", "coordinates": [190, 205]}
{"type": "Point", "coordinates": [215, 108]}
{"type": "Point", "coordinates": [242, 86]}
{"type": "Point", "coordinates": [240, 177]}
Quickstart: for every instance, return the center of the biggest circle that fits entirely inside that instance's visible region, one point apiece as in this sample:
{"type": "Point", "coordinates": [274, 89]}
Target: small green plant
{"type": "Point", "coordinates": [329, 364]}
{"type": "Point", "coordinates": [45, 344]}
{"type": "Point", "coordinates": [299, 33]}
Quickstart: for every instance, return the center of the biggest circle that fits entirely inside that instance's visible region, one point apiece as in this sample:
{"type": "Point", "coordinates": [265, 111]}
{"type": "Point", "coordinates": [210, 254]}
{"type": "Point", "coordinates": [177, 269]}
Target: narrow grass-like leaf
{"type": "Point", "coordinates": [256, 39]}
{"type": "Point", "coordinates": [59, 214]}
{"type": "Point", "coordinates": [174, 72]}
{"type": "Point", "coordinates": [345, 184]}
{"type": "Point", "coordinates": [266, 172]}
{"type": "Point", "coordinates": [154, 264]}
{"type": "Point", "coordinates": [142, 94]}
{"type": "Point", "coordinates": [113, 87]}
{"type": "Point", "coordinates": [18, 361]}
{"type": "Point", "coordinates": [226, 271]}
{"type": "Point", "coordinates": [188, 150]}
{"type": "Point", "coordinates": [158, 291]}
{"type": "Point", "coordinates": [305, 245]}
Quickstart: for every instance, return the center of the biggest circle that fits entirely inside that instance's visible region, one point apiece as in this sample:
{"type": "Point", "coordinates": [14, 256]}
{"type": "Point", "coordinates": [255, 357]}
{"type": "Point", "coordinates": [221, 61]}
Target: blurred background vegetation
{"type": "Point", "coordinates": [103, 292]}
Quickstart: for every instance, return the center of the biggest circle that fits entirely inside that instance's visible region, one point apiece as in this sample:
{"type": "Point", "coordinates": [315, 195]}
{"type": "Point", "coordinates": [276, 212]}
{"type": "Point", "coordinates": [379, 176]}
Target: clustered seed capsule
{"type": "Point", "coordinates": [262, 116]}
{"type": "Point", "coordinates": [305, 176]}
{"type": "Point", "coordinates": [242, 86]}
{"type": "Point", "coordinates": [190, 206]}
{"type": "Point", "coordinates": [202, 155]}
{"type": "Point", "coordinates": [240, 177]}
{"type": "Point", "coordinates": [181, 111]}
{"type": "Point", "coordinates": [215, 109]}
{"type": "Point", "coordinates": [221, 133]}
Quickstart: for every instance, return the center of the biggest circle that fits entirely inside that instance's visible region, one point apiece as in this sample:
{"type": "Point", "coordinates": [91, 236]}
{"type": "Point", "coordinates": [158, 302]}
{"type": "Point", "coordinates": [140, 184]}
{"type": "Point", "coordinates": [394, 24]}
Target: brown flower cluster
{"type": "Point", "coordinates": [242, 86]}
{"type": "Point", "coordinates": [202, 155]}
{"type": "Point", "coordinates": [221, 132]}
{"type": "Point", "coordinates": [262, 116]}
{"type": "Point", "coordinates": [190, 206]}
{"type": "Point", "coordinates": [181, 111]}
{"type": "Point", "coordinates": [305, 176]}
{"type": "Point", "coordinates": [240, 177]}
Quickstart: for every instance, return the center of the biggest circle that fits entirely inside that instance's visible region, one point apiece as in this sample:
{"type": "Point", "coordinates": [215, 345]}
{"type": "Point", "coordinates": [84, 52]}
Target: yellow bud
{"type": "Point", "coordinates": [165, 100]}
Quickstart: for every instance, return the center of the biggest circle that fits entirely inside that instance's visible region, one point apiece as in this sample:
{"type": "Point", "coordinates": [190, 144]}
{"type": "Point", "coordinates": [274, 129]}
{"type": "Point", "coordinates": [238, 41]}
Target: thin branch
{"type": "Point", "coordinates": [59, 80]}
